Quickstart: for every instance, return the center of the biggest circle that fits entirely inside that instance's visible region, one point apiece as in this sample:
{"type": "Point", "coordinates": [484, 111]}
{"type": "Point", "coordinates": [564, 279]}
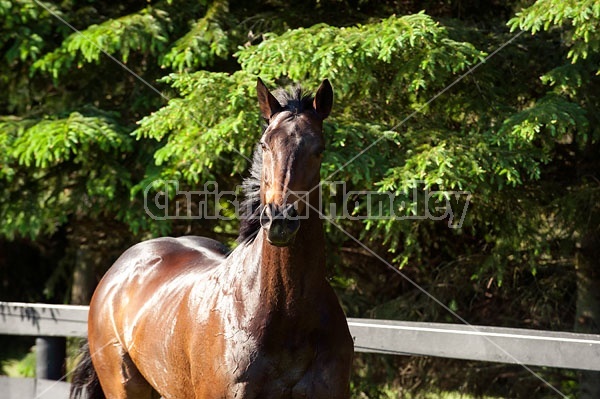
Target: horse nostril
{"type": "Point", "coordinates": [266, 215]}
{"type": "Point", "coordinates": [291, 211]}
{"type": "Point", "coordinates": [291, 218]}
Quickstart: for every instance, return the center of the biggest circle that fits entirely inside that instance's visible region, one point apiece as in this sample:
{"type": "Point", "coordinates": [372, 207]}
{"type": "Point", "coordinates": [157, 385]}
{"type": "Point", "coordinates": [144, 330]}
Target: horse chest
{"type": "Point", "coordinates": [304, 364]}
{"type": "Point", "coordinates": [272, 381]}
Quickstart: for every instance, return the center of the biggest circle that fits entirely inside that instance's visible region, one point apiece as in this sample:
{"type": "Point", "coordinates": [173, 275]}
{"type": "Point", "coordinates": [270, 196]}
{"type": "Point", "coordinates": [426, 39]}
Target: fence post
{"type": "Point", "coordinates": [51, 354]}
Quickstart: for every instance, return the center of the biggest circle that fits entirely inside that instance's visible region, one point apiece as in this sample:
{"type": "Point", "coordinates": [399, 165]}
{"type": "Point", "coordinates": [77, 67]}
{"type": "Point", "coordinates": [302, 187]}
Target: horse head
{"type": "Point", "coordinates": [292, 147]}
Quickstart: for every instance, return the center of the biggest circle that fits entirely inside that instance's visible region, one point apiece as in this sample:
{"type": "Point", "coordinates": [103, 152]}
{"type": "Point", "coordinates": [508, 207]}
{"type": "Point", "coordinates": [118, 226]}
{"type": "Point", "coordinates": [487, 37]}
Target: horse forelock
{"type": "Point", "coordinates": [294, 99]}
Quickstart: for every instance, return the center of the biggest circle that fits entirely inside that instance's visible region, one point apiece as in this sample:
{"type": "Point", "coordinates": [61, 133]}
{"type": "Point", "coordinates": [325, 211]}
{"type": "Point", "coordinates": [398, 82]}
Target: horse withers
{"type": "Point", "coordinates": [183, 318]}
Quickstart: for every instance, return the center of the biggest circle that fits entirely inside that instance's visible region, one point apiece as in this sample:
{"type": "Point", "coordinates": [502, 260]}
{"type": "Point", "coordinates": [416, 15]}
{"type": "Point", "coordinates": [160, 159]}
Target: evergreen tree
{"type": "Point", "coordinates": [149, 92]}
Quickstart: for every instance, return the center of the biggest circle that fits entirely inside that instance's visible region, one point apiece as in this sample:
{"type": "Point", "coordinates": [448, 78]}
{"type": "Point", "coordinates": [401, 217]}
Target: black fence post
{"type": "Point", "coordinates": [51, 354]}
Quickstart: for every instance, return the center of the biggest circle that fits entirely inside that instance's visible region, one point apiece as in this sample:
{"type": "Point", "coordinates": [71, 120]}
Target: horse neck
{"type": "Point", "coordinates": [292, 277]}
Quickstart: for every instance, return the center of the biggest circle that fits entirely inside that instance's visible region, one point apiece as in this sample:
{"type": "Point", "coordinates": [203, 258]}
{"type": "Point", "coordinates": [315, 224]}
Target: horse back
{"type": "Point", "coordinates": [161, 259]}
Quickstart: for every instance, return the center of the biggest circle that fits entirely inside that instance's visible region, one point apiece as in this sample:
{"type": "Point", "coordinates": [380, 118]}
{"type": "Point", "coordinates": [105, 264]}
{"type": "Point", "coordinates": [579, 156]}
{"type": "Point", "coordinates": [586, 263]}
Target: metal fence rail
{"type": "Point", "coordinates": [458, 341]}
{"type": "Point", "coordinates": [491, 344]}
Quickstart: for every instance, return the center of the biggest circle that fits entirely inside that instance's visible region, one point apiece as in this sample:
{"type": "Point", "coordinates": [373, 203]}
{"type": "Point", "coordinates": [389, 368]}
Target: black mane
{"type": "Point", "coordinates": [293, 100]}
{"type": "Point", "coordinates": [251, 206]}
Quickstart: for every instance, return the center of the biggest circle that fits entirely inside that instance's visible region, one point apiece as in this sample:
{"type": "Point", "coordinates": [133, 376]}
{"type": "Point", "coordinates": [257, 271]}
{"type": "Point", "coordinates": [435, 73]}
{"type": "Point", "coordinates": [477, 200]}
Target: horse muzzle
{"type": "Point", "coordinates": [281, 223]}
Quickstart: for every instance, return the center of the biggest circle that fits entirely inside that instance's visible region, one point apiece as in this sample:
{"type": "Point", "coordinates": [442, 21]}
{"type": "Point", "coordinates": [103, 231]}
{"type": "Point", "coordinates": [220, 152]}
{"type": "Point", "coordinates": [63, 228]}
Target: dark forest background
{"type": "Point", "coordinates": [82, 138]}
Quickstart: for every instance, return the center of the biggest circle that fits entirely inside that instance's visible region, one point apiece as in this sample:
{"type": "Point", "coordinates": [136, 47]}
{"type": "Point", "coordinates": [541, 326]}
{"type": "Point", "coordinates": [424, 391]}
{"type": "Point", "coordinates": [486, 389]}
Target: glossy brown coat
{"type": "Point", "coordinates": [179, 318]}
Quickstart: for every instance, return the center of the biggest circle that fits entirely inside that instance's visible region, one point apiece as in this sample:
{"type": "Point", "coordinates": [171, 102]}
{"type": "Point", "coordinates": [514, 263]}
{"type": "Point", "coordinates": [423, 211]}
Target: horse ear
{"type": "Point", "coordinates": [269, 105]}
{"type": "Point", "coordinates": [323, 99]}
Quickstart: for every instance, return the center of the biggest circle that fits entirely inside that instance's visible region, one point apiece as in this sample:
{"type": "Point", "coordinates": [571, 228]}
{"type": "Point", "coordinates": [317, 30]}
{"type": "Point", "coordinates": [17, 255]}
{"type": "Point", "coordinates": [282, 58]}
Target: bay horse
{"type": "Point", "coordinates": [183, 318]}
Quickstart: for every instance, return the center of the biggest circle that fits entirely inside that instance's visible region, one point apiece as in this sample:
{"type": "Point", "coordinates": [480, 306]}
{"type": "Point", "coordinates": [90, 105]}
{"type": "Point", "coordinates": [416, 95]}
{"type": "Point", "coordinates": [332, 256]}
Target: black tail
{"type": "Point", "coordinates": [85, 383]}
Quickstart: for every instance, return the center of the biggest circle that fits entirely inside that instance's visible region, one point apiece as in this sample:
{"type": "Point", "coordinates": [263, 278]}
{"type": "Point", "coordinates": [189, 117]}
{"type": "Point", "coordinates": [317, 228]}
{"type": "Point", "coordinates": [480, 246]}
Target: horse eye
{"type": "Point", "coordinates": [262, 145]}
